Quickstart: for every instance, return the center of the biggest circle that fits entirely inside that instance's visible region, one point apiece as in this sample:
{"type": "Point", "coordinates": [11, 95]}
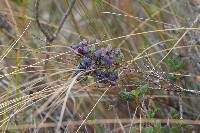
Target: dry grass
{"type": "Point", "coordinates": [38, 89]}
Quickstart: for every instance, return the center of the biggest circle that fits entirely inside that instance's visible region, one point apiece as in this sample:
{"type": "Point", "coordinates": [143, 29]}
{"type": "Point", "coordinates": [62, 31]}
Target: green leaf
{"type": "Point", "coordinates": [173, 78]}
{"type": "Point", "coordinates": [127, 96]}
{"type": "Point", "coordinates": [150, 114]}
{"type": "Point", "coordinates": [174, 129]}
{"type": "Point", "coordinates": [187, 126]}
{"type": "Point", "coordinates": [158, 127]}
{"type": "Point", "coordinates": [143, 89]}
{"type": "Point", "coordinates": [165, 129]}
{"type": "Point", "coordinates": [148, 130]}
{"type": "Point", "coordinates": [176, 64]}
{"type": "Point", "coordinates": [173, 113]}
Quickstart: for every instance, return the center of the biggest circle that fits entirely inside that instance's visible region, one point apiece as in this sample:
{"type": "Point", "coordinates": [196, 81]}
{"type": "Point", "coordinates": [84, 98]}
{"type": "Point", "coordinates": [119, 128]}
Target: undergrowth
{"type": "Point", "coordinates": [111, 66]}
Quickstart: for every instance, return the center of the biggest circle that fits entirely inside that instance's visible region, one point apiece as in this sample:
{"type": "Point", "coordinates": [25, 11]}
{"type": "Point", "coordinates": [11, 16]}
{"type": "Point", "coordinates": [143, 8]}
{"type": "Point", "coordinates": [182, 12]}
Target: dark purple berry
{"type": "Point", "coordinates": [112, 76]}
{"type": "Point", "coordinates": [85, 50]}
{"type": "Point", "coordinates": [107, 60]}
{"type": "Point", "coordinates": [74, 46]}
{"type": "Point", "coordinates": [101, 76]}
{"type": "Point", "coordinates": [108, 50]}
{"type": "Point", "coordinates": [86, 62]}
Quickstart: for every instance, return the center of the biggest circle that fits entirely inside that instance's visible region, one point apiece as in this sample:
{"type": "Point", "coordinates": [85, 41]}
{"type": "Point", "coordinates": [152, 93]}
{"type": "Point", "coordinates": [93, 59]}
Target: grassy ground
{"type": "Point", "coordinates": [158, 83]}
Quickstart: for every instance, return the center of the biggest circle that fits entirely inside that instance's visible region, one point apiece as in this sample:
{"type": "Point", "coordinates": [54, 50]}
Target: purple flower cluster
{"type": "Point", "coordinates": [81, 48]}
{"type": "Point", "coordinates": [101, 63]}
{"type": "Point", "coordinates": [104, 77]}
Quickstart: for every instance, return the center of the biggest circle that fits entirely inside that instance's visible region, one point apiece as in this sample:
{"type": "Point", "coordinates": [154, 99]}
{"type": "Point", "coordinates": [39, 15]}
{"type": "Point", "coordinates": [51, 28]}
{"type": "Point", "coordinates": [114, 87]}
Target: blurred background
{"type": "Point", "coordinates": [38, 92]}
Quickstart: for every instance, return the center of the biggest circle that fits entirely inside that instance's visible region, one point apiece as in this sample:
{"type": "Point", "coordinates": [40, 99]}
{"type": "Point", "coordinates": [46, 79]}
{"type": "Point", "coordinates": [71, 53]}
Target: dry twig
{"type": "Point", "coordinates": [49, 36]}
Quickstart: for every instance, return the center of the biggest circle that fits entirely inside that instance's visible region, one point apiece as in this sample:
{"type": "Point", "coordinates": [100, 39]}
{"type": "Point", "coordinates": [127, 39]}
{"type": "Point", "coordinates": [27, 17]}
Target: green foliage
{"type": "Point", "coordinates": [153, 129]}
{"type": "Point", "coordinates": [148, 130]}
{"type": "Point", "coordinates": [19, 2]}
{"type": "Point", "coordinates": [173, 112]}
{"type": "Point", "coordinates": [135, 94]}
{"type": "Point", "coordinates": [158, 127]}
{"type": "Point", "coordinates": [141, 91]}
{"type": "Point", "coordinates": [150, 8]}
{"type": "Point", "coordinates": [150, 114]}
{"type": "Point", "coordinates": [99, 3]}
{"type": "Point", "coordinates": [127, 96]}
{"type": "Point", "coordinates": [100, 129]}
{"type": "Point", "coordinates": [179, 128]}
{"type": "Point", "coordinates": [187, 126]}
{"type": "Point", "coordinates": [176, 64]}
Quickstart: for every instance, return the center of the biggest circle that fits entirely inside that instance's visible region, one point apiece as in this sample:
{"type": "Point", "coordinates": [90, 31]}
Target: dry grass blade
{"type": "Point", "coordinates": [65, 100]}
{"type": "Point", "coordinates": [112, 121]}
{"type": "Point", "coordinates": [14, 43]}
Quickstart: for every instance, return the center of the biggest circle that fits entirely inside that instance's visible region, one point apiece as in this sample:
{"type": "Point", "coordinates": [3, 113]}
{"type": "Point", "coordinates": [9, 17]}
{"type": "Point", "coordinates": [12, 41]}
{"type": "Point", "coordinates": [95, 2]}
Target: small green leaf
{"type": "Point", "coordinates": [143, 89]}
{"type": "Point", "coordinates": [158, 127]}
{"type": "Point", "coordinates": [148, 130]}
{"type": "Point", "coordinates": [173, 78]}
{"type": "Point", "coordinates": [174, 129]}
{"type": "Point", "coordinates": [127, 96]}
{"type": "Point", "coordinates": [187, 126]}
{"type": "Point", "coordinates": [176, 64]}
{"type": "Point", "coordinates": [150, 114]}
{"type": "Point", "coordinates": [165, 129]}
{"type": "Point", "coordinates": [173, 113]}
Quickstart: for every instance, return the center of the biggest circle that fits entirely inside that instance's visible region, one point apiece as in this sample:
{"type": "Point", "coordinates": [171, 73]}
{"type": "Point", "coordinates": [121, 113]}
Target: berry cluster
{"type": "Point", "coordinates": [100, 63]}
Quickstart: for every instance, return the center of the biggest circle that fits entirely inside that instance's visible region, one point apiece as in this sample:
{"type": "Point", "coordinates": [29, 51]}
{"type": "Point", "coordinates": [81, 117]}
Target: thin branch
{"type": "Point", "coordinates": [49, 36]}
{"type": "Point", "coordinates": [71, 5]}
